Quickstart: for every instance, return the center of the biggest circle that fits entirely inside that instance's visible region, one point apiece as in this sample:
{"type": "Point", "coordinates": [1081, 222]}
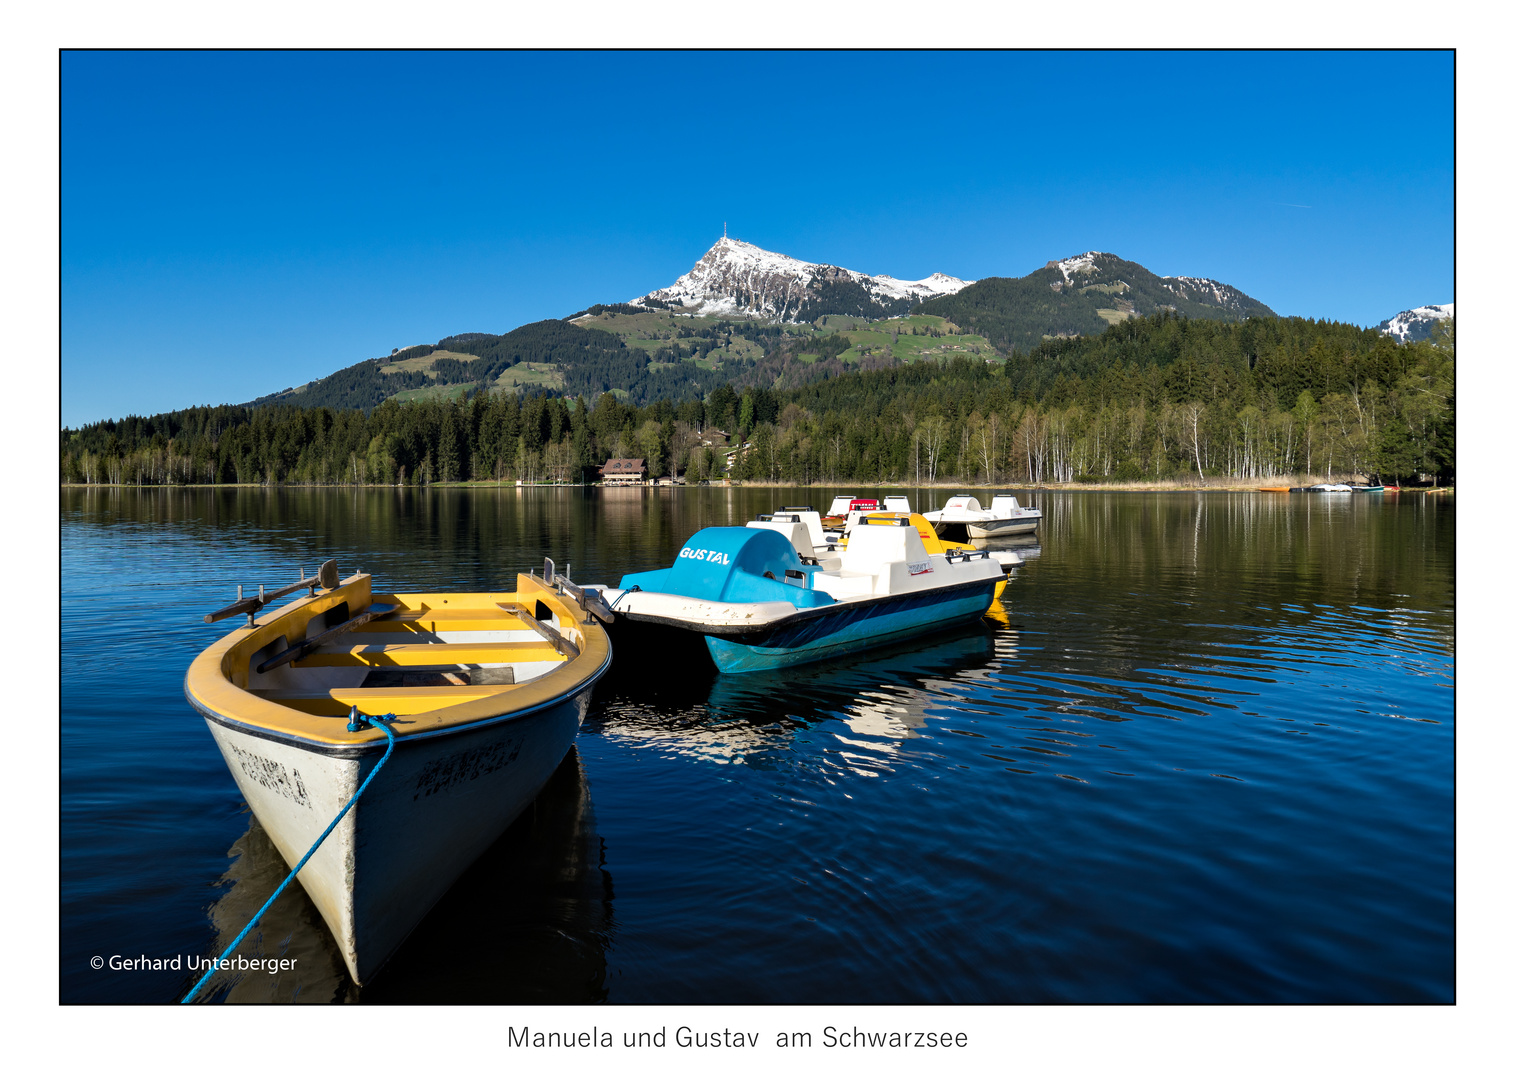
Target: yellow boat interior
{"type": "Point", "coordinates": [435, 660]}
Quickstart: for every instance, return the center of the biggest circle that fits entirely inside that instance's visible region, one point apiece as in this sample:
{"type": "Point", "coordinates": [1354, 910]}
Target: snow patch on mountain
{"type": "Point", "coordinates": [1206, 289]}
{"type": "Point", "coordinates": [923, 289]}
{"type": "Point", "coordinates": [1417, 323]}
{"type": "Point", "coordinates": [1078, 264]}
{"type": "Point", "coordinates": [736, 278]}
{"type": "Point", "coordinates": [1144, 291]}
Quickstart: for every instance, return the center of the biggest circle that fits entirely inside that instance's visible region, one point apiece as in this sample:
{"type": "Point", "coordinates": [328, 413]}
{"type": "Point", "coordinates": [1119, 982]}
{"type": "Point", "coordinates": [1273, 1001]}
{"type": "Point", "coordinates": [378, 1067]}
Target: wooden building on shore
{"type": "Point", "coordinates": [624, 471]}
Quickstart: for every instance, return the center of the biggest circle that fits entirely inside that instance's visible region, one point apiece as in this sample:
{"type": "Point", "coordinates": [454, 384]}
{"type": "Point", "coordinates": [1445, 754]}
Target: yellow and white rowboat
{"type": "Point", "coordinates": [487, 689]}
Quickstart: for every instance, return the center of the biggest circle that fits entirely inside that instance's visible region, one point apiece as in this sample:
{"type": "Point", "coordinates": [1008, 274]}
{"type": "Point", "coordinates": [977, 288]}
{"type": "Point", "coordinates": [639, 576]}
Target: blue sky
{"type": "Point", "coordinates": [235, 223]}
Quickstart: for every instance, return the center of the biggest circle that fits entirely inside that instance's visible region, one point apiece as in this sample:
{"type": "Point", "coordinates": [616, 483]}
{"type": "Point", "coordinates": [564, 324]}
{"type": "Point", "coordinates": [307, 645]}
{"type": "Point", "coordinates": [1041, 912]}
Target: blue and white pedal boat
{"type": "Point", "coordinates": [759, 603]}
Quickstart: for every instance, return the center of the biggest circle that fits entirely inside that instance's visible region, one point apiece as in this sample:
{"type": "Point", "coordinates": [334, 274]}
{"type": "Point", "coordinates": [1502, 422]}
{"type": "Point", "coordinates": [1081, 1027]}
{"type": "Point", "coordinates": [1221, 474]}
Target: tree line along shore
{"type": "Point", "coordinates": [1163, 400]}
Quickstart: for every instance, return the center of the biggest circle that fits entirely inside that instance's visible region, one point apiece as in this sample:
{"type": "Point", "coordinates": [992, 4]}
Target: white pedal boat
{"type": "Point", "coordinates": [1004, 518]}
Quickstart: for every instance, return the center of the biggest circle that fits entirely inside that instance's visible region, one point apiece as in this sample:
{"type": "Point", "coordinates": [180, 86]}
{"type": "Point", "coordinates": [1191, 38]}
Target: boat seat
{"type": "Point", "coordinates": [422, 654]}
{"type": "Point", "coordinates": [437, 619]}
{"type": "Point", "coordinates": [875, 546]}
{"type": "Point", "coordinates": [377, 701]}
{"type": "Point", "coordinates": [843, 584]}
{"type": "Point", "coordinates": [790, 526]}
{"type": "Point", "coordinates": [407, 677]}
{"type": "Point", "coordinates": [809, 517]}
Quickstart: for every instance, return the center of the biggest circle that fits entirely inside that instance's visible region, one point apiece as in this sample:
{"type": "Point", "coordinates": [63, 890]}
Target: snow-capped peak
{"type": "Point", "coordinates": [741, 279]}
{"type": "Point", "coordinates": [1417, 323]}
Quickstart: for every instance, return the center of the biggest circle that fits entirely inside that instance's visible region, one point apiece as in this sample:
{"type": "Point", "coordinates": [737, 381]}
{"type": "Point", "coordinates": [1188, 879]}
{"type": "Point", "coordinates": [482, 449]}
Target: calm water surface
{"type": "Point", "coordinates": [1203, 751]}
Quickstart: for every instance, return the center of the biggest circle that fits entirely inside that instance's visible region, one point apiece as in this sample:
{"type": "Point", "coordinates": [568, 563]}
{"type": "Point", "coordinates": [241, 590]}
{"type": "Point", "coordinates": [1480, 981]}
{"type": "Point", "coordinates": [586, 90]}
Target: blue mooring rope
{"type": "Point", "coordinates": [357, 722]}
{"type": "Point", "coordinates": [623, 596]}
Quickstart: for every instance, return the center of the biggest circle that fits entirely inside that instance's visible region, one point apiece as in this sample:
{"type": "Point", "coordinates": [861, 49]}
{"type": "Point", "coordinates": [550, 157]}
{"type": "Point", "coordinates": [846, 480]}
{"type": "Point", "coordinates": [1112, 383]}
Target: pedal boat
{"type": "Point", "coordinates": [840, 509]}
{"type": "Point", "coordinates": [1004, 518]}
{"type": "Point", "coordinates": [801, 525]}
{"type": "Point", "coordinates": [488, 691]}
{"type": "Point", "coordinates": [938, 545]}
{"type": "Point", "coordinates": [758, 603]}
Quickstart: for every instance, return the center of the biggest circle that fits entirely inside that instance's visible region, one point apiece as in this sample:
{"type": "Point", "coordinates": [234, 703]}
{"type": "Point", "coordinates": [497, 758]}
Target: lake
{"type": "Point", "coordinates": [1201, 751]}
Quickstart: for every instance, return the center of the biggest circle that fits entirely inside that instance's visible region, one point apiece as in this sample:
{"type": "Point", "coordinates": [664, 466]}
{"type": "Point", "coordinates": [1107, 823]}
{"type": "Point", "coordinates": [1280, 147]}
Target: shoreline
{"type": "Point", "coordinates": [1143, 486]}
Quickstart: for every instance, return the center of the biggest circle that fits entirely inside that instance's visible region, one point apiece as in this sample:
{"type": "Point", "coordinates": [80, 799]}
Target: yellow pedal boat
{"type": "Point", "coordinates": [487, 690]}
{"type": "Point", "coordinates": [814, 540]}
{"type": "Point", "coordinates": [935, 544]}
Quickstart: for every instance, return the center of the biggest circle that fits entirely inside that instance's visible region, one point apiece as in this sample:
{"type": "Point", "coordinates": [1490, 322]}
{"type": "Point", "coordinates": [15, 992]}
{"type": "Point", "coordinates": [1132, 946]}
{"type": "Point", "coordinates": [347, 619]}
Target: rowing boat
{"type": "Point", "coordinates": [484, 691]}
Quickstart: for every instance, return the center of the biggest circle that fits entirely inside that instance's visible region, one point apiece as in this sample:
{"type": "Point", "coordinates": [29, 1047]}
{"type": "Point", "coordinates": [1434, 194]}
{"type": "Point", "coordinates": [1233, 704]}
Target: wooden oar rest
{"type": "Point", "coordinates": [562, 643]}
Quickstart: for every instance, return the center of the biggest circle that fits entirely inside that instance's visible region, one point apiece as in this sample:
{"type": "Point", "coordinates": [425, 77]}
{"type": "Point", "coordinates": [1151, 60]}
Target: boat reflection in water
{"type": "Point", "coordinates": [528, 922]}
{"type": "Point", "coordinates": [1025, 547]}
{"type": "Point", "coordinates": [292, 929]}
{"type": "Point", "coordinates": [752, 718]}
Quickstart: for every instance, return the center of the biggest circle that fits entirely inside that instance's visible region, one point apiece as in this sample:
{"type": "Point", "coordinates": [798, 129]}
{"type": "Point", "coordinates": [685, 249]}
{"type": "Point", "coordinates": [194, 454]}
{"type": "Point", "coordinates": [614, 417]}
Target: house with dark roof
{"type": "Point", "coordinates": [624, 471]}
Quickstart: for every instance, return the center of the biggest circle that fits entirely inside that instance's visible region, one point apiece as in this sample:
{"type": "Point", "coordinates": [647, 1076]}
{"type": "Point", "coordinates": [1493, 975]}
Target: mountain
{"type": "Point", "coordinates": [739, 280]}
{"type": "Point", "coordinates": [552, 355]}
{"type": "Point", "coordinates": [1083, 295]}
{"type": "Point", "coordinates": [745, 315]}
{"type": "Point", "coordinates": [1417, 323]}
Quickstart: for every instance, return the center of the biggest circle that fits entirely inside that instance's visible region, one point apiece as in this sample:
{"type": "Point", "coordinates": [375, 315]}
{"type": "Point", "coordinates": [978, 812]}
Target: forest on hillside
{"type": "Point", "coordinates": [591, 362]}
{"type": "Point", "coordinates": [1158, 398]}
{"type": "Point", "coordinates": [1019, 313]}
